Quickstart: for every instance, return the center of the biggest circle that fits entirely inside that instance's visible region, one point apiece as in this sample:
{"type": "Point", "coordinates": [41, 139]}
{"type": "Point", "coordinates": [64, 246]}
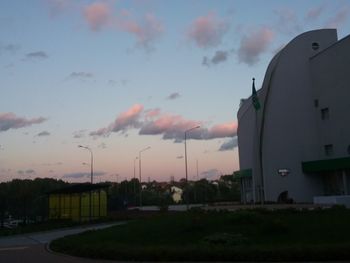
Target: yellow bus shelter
{"type": "Point", "coordinates": [79, 202]}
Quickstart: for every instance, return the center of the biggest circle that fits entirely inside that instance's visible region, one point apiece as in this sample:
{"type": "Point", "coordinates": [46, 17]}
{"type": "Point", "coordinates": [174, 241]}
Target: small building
{"type": "Point", "coordinates": [79, 202]}
{"type": "Point", "coordinates": [296, 146]}
{"type": "Point", "coordinates": [176, 194]}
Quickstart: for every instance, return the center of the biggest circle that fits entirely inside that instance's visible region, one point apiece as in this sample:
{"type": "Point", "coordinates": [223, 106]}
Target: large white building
{"type": "Point", "coordinates": [297, 145]}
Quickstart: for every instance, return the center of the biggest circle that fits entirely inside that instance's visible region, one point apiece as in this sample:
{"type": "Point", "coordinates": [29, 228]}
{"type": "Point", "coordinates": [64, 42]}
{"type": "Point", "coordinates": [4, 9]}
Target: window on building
{"type": "Point", "coordinates": [315, 46]}
{"type": "Point", "coordinates": [325, 114]}
{"type": "Point", "coordinates": [316, 103]}
{"type": "Point", "coordinates": [328, 149]}
{"type": "Point", "coordinates": [349, 149]}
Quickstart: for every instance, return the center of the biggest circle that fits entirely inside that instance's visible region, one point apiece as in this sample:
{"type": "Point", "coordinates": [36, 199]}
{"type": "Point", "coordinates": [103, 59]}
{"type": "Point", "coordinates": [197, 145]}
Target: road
{"type": "Point", "coordinates": [31, 248]}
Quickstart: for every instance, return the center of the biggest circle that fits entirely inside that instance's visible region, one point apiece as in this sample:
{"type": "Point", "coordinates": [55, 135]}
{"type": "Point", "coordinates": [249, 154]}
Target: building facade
{"type": "Point", "coordinates": [297, 145]}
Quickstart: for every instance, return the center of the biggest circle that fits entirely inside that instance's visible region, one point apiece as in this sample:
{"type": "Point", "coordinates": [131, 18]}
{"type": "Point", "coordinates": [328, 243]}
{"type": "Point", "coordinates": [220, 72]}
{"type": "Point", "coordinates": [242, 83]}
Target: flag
{"type": "Point", "coordinates": [255, 99]}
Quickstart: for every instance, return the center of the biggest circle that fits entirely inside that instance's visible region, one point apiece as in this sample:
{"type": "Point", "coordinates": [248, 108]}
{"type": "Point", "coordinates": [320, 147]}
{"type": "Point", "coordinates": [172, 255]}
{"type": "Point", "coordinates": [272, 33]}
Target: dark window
{"type": "Point", "coordinates": [315, 46]}
{"type": "Point", "coordinates": [316, 103]}
{"type": "Point", "coordinates": [325, 114]}
{"type": "Point", "coordinates": [328, 149]}
{"type": "Point", "coordinates": [349, 149]}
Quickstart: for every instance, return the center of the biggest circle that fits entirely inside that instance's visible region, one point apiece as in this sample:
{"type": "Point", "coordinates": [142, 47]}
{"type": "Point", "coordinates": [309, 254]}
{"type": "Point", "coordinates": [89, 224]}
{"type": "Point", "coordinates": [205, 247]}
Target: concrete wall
{"type": "Point", "coordinates": [289, 125]}
{"type": "Point", "coordinates": [331, 87]}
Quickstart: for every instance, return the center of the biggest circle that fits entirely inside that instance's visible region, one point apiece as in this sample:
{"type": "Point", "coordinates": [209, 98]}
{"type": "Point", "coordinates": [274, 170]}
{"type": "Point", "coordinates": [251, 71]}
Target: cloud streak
{"type": "Point", "coordinates": [173, 96]}
{"type": "Point", "coordinates": [219, 57]}
{"type": "Point", "coordinates": [314, 13]}
{"type": "Point", "coordinates": [43, 133]}
{"type": "Point", "coordinates": [82, 174]}
{"type": "Point", "coordinates": [287, 21]}
{"type": "Point", "coordinates": [146, 32]}
{"type": "Point", "coordinates": [97, 15]}
{"type": "Point", "coordinates": [339, 18]}
{"type": "Point", "coordinates": [254, 44]}
{"type": "Point", "coordinates": [169, 126]}
{"type": "Point", "coordinates": [229, 145]}
{"type": "Point", "coordinates": [28, 171]}
{"type": "Point", "coordinates": [100, 15]}
{"type": "Point", "coordinates": [80, 75]}
{"type": "Point", "coordinates": [126, 120]}
{"type": "Point", "coordinates": [38, 55]}
{"type": "Point", "coordinates": [11, 121]}
{"type": "Point", "coordinates": [57, 7]}
{"type": "Point", "coordinates": [207, 31]}
{"type": "Point", "coordinates": [11, 48]}
{"type": "Point", "coordinates": [210, 173]}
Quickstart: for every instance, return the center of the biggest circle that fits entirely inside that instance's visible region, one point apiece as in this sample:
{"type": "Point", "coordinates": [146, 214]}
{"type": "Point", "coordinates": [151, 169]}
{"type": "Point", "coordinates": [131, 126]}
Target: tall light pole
{"type": "Point", "coordinates": [91, 162]}
{"type": "Point", "coordinates": [145, 149]}
{"type": "Point", "coordinates": [135, 179]}
{"type": "Point", "coordinates": [187, 204]}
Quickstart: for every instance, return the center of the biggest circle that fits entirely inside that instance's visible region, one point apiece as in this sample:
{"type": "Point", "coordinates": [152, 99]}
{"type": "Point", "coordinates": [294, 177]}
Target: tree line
{"type": "Point", "coordinates": [28, 200]}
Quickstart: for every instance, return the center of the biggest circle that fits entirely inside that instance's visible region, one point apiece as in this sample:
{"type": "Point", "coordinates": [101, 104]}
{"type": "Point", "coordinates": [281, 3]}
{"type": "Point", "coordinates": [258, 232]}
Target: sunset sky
{"type": "Point", "coordinates": [119, 76]}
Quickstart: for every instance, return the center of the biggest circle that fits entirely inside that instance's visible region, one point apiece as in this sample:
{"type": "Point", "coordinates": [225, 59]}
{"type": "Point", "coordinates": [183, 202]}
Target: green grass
{"type": "Point", "coordinates": [242, 235]}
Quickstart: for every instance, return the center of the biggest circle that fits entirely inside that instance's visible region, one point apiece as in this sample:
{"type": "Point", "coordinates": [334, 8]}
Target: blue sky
{"type": "Point", "coordinates": [119, 76]}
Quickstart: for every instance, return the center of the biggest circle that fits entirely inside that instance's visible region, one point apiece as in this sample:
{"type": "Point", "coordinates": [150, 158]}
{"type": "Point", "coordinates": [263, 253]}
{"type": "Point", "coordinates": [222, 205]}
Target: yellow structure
{"type": "Point", "coordinates": [80, 202]}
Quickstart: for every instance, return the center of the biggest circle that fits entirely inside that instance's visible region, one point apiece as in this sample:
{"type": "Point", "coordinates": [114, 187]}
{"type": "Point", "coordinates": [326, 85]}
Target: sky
{"type": "Point", "coordinates": [119, 76]}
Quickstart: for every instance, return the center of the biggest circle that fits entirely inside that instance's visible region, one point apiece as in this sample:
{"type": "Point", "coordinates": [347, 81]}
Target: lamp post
{"type": "Point", "coordinates": [135, 178]}
{"type": "Point", "coordinates": [187, 204]}
{"type": "Point", "coordinates": [145, 149]}
{"type": "Point", "coordinates": [92, 175]}
{"type": "Point", "coordinates": [91, 162]}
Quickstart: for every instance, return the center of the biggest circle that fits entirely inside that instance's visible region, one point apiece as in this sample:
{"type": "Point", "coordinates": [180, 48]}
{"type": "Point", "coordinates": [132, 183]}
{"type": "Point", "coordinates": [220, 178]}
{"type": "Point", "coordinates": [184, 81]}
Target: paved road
{"type": "Point", "coordinates": [31, 248]}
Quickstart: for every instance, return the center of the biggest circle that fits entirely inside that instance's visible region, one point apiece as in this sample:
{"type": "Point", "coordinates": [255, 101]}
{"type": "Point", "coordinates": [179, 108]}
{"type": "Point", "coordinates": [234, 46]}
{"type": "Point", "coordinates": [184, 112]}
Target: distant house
{"type": "Point", "coordinates": [176, 194]}
{"type": "Point", "coordinates": [80, 202]}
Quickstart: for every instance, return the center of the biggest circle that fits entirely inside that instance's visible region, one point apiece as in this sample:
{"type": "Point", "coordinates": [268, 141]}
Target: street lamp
{"type": "Point", "coordinates": [145, 149]}
{"type": "Point", "coordinates": [92, 161]}
{"type": "Point", "coordinates": [136, 158]}
{"type": "Point", "coordinates": [187, 205]}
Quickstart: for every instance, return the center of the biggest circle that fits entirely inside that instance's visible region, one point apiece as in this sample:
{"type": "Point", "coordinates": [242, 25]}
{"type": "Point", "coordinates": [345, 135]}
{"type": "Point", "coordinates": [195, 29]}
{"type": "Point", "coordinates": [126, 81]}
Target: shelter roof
{"type": "Point", "coordinates": [79, 188]}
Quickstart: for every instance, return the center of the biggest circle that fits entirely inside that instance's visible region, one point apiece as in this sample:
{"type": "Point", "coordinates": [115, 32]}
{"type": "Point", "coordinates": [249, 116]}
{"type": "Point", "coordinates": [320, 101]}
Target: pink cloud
{"type": "Point", "coordinates": [314, 12]}
{"type": "Point", "coordinates": [287, 21]}
{"type": "Point", "coordinates": [100, 14]}
{"type": "Point", "coordinates": [97, 15]}
{"type": "Point", "coordinates": [254, 44]}
{"type": "Point", "coordinates": [339, 18]}
{"type": "Point", "coordinates": [223, 130]}
{"type": "Point", "coordinates": [11, 121]}
{"type": "Point", "coordinates": [126, 120]}
{"type": "Point", "coordinates": [145, 32]}
{"type": "Point", "coordinates": [207, 31]}
{"type": "Point", "coordinates": [171, 127]}
{"type": "Point", "coordinates": [152, 113]}
{"type": "Point", "coordinates": [57, 7]}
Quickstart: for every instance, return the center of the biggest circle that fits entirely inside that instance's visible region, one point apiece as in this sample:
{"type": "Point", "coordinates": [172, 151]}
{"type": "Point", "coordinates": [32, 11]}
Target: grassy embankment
{"type": "Point", "coordinates": [243, 235]}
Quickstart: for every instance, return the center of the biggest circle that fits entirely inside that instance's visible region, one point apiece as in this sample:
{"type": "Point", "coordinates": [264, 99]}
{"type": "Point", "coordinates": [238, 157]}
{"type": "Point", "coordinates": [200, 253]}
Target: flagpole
{"type": "Point", "coordinates": [257, 176]}
{"type": "Point", "coordinates": [256, 141]}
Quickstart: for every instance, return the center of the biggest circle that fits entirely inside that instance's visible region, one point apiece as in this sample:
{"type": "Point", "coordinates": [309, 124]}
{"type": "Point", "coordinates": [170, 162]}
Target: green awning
{"type": "Point", "coordinates": [242, 173]}
{"type": "Point", "coordinates": [326, 165]}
